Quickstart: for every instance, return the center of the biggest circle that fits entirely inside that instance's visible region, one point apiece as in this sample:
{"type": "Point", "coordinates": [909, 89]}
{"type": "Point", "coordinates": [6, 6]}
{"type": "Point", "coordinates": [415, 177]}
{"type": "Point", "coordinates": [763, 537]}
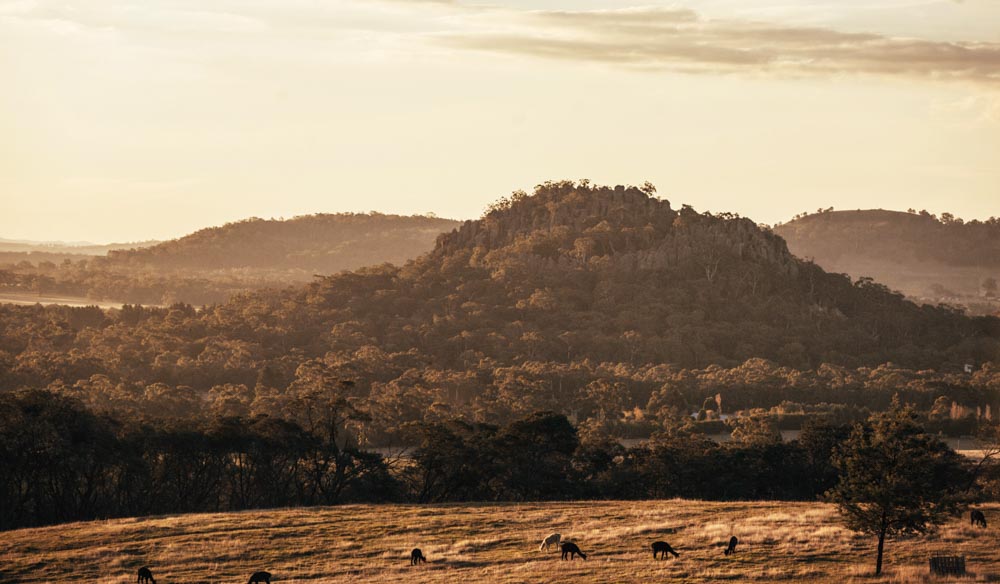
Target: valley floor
{"type": "Point", "coordinates": [779, 542]}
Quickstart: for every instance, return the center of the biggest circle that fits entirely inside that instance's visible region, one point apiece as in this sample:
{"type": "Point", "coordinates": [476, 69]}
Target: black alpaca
{"type": "Point", "coordinates": [145, 576]}
{"type": "Point", "coordinates": [570, 551]}
{"type": "Point", "coordinates": [417, 556]}
{"type": "Point", "coordinates": [732, 545]}
{"type": "Point", "coordinates": [978, 518]}
{"type": "Point", "coordinates": [258, 577]}
{"type": "Point", "coordinates": [663, 548]}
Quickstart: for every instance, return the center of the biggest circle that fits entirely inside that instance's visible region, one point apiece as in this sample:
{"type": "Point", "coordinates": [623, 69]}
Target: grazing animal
{"type": "Point", "coordinates": [552, 539]}
{"type": "Point", "coordinates": [570, 550]}
{"type": "Point", "coordinates": [145, 576]}
{"type": "Point", "coordinates": [732, 545]}
{"type": "Point", "coordinates": [417, 556]}
{"type": "Point", "coordinates": [978, 518]}
{"type": "Point", "coordinates": [663, 548]}
{"type": "Point", "coordinates": [258, 577]}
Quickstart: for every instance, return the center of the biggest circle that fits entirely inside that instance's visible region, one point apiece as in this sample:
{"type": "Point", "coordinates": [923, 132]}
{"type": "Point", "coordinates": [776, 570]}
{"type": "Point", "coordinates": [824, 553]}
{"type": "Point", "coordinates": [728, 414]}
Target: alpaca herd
{"type": "Point", "coordinates": [569, 552]}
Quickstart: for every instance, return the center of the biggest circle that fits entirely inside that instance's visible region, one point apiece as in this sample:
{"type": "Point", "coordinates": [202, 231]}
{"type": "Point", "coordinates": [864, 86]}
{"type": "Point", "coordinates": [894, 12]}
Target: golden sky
{"type": "Point", "coordinates": [123, 121]}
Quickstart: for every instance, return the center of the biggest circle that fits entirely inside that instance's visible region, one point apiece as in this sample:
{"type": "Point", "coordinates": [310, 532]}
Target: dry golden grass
{"type": "Point", "coordinates": [779, 542]}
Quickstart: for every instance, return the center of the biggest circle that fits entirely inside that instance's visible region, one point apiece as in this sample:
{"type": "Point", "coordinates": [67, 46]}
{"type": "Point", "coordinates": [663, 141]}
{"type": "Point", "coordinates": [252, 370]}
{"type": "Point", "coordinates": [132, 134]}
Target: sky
{"type": "Point", "coordinates": [127, 121]}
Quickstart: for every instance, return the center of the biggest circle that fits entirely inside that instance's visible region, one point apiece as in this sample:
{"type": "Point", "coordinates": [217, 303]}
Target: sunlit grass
{"type": "Point", "coordinates": [779, 542]}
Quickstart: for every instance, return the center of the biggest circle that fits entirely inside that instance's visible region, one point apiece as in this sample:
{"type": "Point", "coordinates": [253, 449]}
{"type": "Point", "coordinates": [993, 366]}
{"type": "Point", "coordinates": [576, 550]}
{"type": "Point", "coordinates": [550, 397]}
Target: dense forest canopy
{"type": "Point", "coordinates": [210, 265]}
{"type": "Point", "coordinates": [930, 258]}
{"type": "Point", "coordinates": [602, 303]}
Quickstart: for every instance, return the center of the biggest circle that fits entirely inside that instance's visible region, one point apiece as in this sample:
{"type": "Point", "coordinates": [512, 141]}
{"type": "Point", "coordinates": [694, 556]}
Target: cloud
{"type": "Point", "coordinates": [652, 39]}
{"type": "Point", "coordinates": [681, 40]}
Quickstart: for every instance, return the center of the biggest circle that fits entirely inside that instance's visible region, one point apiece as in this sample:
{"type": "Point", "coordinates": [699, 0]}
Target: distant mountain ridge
{"type": "Point", "coordinates": [212, 264]}
{"type": "Point", "coordinates": [323, 242]}
{"type": "Point", "coordinates": [66, 247]}
{"type": "Point", "coordinates": [930, 258]}
{"type": "Point", "coordinates": [896, 236]}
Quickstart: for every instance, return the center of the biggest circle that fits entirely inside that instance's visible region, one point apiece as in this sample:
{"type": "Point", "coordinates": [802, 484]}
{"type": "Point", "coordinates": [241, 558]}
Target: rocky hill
{"type": "Point", "coordinates": [615, 274]}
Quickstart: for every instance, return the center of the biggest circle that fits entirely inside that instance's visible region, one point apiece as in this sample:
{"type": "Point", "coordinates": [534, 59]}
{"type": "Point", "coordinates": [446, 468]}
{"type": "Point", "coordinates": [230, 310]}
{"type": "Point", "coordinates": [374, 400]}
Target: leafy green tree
{"type": "Point", "coordinates": [895, 478]}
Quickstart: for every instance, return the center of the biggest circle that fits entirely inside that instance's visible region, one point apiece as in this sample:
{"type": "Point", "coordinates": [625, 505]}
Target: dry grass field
{"type": "Point", "coordinates": [779, 542]}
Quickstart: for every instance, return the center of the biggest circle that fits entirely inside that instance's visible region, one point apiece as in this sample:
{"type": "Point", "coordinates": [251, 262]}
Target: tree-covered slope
{"type": "Point", "coordinates": [614, 274]}
{"type": "Point", "coordinates": [324, 243]}
{"type": "Point", "coordinates": [932, 259]}
{"type": "Point", "coordinates": [591, 301]}
{"type": "Point", "coordinates": [212, 264]}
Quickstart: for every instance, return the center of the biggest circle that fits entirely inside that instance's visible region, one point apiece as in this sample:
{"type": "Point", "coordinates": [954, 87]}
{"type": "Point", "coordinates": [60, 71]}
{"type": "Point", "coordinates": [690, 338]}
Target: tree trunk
{"type": "Point", "coordinates": [881, 545]}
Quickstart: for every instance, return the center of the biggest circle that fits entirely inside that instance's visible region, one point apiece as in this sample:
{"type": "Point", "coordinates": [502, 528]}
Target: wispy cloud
{"type": "Point", "coordinates": [649, 38]}
{"type": "Point", "coordinates": [681, 40]}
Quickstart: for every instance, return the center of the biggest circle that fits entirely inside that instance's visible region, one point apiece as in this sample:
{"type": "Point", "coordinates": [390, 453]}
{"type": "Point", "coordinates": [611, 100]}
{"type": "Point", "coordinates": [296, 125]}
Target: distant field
{"type": "Point", "coordinates": [788, 542]}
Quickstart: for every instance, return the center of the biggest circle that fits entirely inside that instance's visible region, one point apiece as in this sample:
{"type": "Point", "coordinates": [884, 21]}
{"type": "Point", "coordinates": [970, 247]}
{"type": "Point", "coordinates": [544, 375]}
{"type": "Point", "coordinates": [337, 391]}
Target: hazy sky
{"type": "Point", "coordinates": [122, 121]}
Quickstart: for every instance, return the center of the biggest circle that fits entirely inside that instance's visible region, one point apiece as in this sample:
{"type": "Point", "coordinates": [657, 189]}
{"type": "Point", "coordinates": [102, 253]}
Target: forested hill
{"type": "Point", "coordinates": [212, 264]}
{"type": "Point", "coordinates": [613, 274]}
{"type": "Point", "coordinates": [324, 243]}
{"type": "Point", "coordinates": [586, 300]}
{"type": "Point", "coordinates": [937, 259]}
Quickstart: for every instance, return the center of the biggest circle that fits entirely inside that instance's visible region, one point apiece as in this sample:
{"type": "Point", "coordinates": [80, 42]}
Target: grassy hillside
{"type": "Point", "coordinates": [488, 543]}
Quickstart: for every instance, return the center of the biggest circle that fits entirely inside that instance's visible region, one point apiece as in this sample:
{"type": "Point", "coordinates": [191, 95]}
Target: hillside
{"type": "Point", "coordinates": [928, 258]}
{"type": "Point", "coordinates": [779, 541]}
{"type": "Point", "coordinates": [322, 243]}
{"type": "Point", "coordinates": [212, 264]}
{"type": "Point", "coordinates": [34, 253]}
{"type": "Point", "coordinates": [603, 303]}
{"type": "Point", "coordinates": [575, 271]}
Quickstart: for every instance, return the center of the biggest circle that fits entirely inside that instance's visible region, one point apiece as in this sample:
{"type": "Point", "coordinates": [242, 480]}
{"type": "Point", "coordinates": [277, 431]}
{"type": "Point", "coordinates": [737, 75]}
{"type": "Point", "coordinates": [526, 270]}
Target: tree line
{"type": "Point", "coordinates": [60, 462]}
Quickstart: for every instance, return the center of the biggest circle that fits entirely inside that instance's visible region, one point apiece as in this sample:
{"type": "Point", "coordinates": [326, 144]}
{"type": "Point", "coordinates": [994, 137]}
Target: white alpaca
{"type": "Point", "coordinates": [552, 539]}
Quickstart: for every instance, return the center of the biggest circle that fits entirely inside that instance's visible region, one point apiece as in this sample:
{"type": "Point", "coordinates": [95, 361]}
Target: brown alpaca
{"type": "Point", "coordinates": [145, 576]}
{"type": "Point", "coordinates": [978, 518]}
{"type": "Point", "coordinates": [258, 577]}
{"type": "Point", "coordinates": [570, 551]}
{"type": "Point", "coordinates": [732, 545]}
{"type": "Point", "coordinates": [417, 556]}
{"type": "Point", "coordinates": [663, 548]}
